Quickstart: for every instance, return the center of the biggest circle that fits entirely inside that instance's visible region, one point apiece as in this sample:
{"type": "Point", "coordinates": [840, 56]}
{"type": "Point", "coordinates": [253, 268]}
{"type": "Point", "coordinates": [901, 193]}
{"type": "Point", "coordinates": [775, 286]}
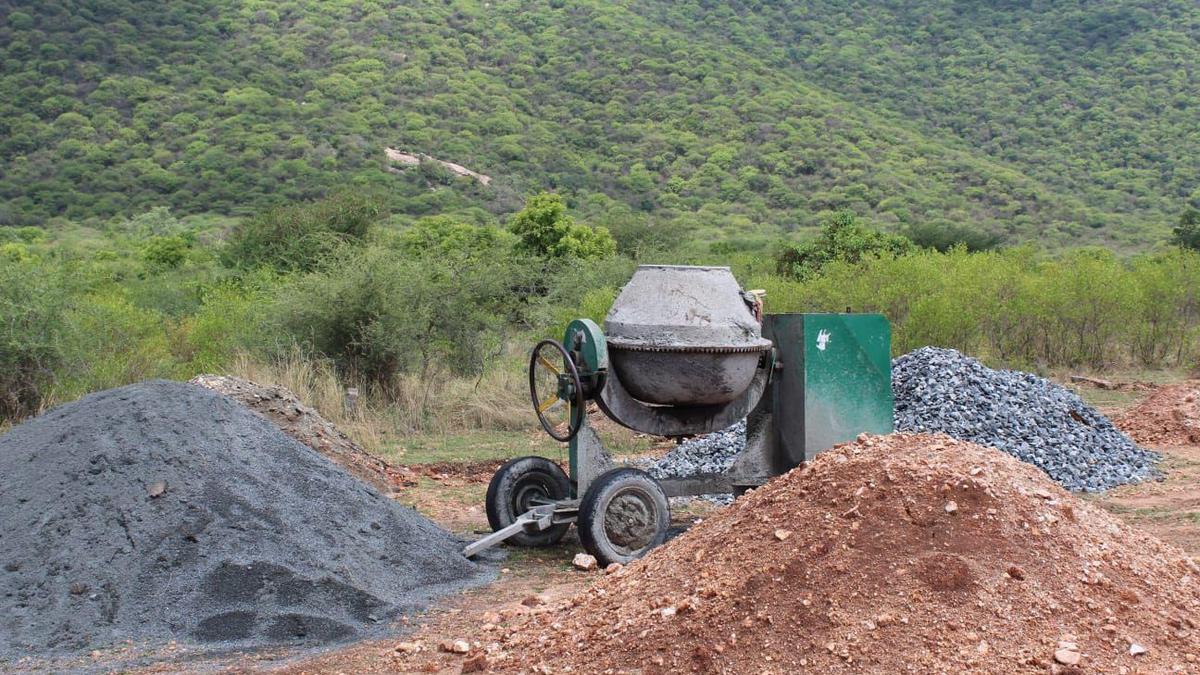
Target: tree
{"type": "Point", "coordinates": [545, 230]}
{"type": "Point", "coordinates": [165, 252]}
{"type": "Point", "coordinates": [843, 238]}
{"type": "Point", "coordinates": [1187, 232]}
{"type": "Point", "coordinates": [291, 238]}
{"type": "Point", "coordinates": [942, 235]}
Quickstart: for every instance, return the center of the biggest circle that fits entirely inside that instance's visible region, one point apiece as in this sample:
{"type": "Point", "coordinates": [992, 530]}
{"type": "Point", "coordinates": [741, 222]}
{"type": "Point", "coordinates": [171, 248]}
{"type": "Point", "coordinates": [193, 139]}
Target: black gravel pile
{"type": "Point", "coordinates": [163, 510]}
{"type": "Point", "coordinates": [1036, 421]}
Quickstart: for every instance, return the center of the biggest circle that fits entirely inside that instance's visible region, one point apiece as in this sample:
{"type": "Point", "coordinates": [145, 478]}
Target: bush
{"type": "Point", "coordinates": [32, 301]}
{"type": "Point", "coordinates": [1087, 308]}
{"type": "Point", "coordinates": [1187, 232]}
{"type": "Point", "coordinates": [545, 230]}
{"type": "Point", "coordinates": [944, 235]}
{"type": "Point", "coordinates": [378, 314]}
{"type": "Point", "coordinates": [109, 342]}
{"type": "Point", "coordinates": [843, 239]}
{"type": "Point", "coordinates": [165, 252]}
{"type": "Point", "coordinates": [443, 236]}
{"type": "Point", "coordinates": [298, 238]}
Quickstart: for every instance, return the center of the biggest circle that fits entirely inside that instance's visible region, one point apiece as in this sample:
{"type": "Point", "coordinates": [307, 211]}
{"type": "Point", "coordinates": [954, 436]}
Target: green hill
{"type": "Point", "coordinates": [1066, 122]}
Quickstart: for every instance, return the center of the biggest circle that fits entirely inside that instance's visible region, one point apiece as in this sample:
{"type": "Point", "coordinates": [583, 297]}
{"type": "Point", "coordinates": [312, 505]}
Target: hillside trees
{"type": "Point", "coordinates": [1187, 232]}
{"type": "Point", "coordinates": [687, 112]}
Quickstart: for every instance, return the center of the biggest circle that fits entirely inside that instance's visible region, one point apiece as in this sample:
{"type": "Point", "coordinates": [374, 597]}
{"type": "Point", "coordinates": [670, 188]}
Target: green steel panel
{"type": "Point", "coordinates": [847, 365]}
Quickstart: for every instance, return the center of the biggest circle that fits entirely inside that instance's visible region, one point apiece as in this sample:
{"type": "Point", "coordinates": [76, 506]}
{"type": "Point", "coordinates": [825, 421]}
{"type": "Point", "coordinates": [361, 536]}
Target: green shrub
{"type": "Point", "coordinates": [943, 235]}
{"type": "Point", "coordinates": [443, 236]}
{"type": "Point", "coordinates": [1010, 307]}
{"type": "Point", "coordinates": [545, 230]}
{"type": "Point", "coordinates": [843, 239]}
{"type": "Point", "coordinates": [165, 252]}
{"type": "Point", "coordinates": [109, 342]}
{"type": "Point", "coordinates": [32, 301]}
{"type": "Point", "coordinates": [1187, 232]}
{"type": "Point", "coordinates": [298, 238]}
{"type": "Point", "coordinates": [378, 314]}
{"type": "Point", "coordinates": [228, 322]}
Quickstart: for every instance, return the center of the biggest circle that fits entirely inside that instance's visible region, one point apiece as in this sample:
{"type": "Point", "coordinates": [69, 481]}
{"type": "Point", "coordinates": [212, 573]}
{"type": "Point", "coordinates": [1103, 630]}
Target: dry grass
{"type": "Point", "coordinates": [431, 402]}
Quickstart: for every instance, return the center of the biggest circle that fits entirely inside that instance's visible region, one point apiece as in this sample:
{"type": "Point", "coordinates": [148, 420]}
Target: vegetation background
{"type": "Point", "coordinates": [192, 186]}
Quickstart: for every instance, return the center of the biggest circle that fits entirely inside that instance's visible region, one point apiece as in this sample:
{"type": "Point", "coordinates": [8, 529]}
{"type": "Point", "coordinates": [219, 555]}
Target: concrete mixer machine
{"type": "Point", "coordinates": [684, 351]}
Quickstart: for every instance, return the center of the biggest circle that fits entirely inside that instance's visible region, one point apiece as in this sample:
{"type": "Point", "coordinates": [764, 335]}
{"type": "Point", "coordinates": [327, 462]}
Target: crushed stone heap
{"type": "Point", "coordinates": [710, 453]}
{"type": "Point", "coordinates": [306, 425]}
{"type": "Point", "coordinates": [1169, 416]}
{"type": "Point", "coordinates": [165, 511]}
{"type": "Point", "coordinates": [896, 553]}
{"type": "Point", "coordinates": [1033, 419]}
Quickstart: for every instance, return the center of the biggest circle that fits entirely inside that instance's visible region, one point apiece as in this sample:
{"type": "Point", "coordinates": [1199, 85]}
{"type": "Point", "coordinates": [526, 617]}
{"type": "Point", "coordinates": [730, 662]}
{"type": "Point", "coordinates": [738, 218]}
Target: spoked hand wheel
{"type": "Point", "coordinates": [556, 391]}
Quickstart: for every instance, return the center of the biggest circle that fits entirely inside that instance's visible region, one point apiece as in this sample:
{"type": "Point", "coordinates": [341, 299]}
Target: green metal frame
{"type": "Point", "coordinates": [584, 339]}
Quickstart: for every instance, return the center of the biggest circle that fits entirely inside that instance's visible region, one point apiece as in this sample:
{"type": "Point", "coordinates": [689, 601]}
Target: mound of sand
{"type": "Point", "coordinates": [163, 510]}
{"type": "Point", "coordinates": [306, 425]}
{"type": "Point", "coordinates": [893, 554]}
{"type": "Point", "coordinates": [1169, 416]}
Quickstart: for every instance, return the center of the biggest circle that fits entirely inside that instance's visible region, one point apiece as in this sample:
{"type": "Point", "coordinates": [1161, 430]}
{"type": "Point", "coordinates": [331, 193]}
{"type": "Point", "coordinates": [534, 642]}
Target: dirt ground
{"type": "Point", "coordinates": [533, 581]}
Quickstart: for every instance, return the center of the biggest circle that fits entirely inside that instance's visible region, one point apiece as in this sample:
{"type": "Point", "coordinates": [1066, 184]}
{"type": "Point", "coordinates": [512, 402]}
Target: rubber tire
{"type": "Point", "coordinates": [596, 502]}
{"type": "Point", "coordinates": [506, 488]}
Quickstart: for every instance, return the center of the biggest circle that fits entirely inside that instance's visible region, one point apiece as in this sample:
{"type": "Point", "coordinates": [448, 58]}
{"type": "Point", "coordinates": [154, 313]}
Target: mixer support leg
{"type": "Point", "coordinates": [589, 459]}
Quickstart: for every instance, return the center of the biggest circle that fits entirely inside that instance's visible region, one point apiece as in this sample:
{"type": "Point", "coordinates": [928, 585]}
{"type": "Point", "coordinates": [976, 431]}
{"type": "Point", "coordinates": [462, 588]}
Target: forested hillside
{"type": "Point", "coordinates": [1065, 122]}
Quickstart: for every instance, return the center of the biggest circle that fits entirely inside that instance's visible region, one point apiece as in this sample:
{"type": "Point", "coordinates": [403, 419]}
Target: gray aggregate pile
{"type": "Point", "coordinates": [165, 511]}
{"type": "Point", "coordinates": [711, 453]}
{"type": "Point", "coordinates": [1037, 421]}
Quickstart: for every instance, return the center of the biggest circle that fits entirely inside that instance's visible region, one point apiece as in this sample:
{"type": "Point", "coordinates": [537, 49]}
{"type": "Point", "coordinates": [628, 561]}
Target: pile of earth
{"type": "Point", "coordinates": [892, 554]}
{"type": "Point", "coordinates": [303, 423]}
{"type": "Point", "coordinates": [163, 511]}
{"type": "Point", "coordinates": [1169, 416]}
{"type": "Point", "coordinates": [1035, 420]}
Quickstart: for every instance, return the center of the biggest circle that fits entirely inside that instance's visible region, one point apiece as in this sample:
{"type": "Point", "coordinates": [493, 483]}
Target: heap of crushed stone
{"type": "Point", "coordinates": [1169, 416]}
{"type": "Point", "coordinates": [943, 391]}
{"type": "Point", "coordinates": [306, 425]}
{"type": "Point", "coordinates": [893, 554]}
{"type": "Point", "coordinates": [165, 511]}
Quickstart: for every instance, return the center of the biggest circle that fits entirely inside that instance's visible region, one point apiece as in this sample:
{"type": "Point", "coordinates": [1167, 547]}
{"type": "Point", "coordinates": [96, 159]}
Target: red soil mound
{"type": "Point", "coordinates": [902, 553]}
{"type": "Point", "coordinates": [1170, 416]}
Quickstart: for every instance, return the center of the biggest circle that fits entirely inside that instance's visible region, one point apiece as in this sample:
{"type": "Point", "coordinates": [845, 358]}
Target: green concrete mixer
{"type": "Point", "coordinates": [684, 351]}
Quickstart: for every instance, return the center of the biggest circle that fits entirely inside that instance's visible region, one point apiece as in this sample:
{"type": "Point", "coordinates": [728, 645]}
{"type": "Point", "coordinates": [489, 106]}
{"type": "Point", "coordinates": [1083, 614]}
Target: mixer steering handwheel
{"type": "Point", "coordinates": [556, 390]}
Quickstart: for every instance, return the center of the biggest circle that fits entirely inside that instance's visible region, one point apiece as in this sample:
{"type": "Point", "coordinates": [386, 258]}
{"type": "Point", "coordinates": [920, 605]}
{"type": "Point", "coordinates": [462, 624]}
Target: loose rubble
{"type": "Point", "coordinates": [164, 511]}
{"type": "Point", "coordinates": [711, 453]}
{"type": "Point", "coordinates": [877, 575]}
{"type": "Point", "coordinates": [1033, 419]}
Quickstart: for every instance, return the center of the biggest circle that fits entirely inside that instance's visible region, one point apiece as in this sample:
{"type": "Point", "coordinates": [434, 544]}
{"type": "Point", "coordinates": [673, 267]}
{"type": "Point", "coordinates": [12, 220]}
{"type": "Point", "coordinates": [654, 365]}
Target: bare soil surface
{"type": "Point", "coordinates": [1168, 417]}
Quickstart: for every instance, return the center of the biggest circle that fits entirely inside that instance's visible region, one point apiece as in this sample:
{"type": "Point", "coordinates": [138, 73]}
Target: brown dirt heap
{"type": "Point", "coordinates": [306, 425]}
{"type": "Point", "coordinates": [901, 553]}
{"type": "Point", "coordinates": [1170, 416]}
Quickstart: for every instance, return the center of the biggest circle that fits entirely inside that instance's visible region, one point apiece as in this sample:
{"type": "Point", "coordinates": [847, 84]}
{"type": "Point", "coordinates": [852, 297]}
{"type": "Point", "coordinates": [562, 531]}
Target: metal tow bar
{"type": "Point", "coordinates": [538, 518]}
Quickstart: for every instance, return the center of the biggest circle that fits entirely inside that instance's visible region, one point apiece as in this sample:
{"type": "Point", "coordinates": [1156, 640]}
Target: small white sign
{"type": "Point", "coordinates": [822, 339]}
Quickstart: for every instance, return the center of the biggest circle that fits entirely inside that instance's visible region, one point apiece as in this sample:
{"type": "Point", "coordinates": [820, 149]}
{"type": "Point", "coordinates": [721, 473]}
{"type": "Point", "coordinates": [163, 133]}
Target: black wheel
{"type": "Point", "coordinates": [623, 515]}
{"type": "Point", "coordinates": [556, 391]}
{"type": "Point", "coordinates": [520, 485]}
